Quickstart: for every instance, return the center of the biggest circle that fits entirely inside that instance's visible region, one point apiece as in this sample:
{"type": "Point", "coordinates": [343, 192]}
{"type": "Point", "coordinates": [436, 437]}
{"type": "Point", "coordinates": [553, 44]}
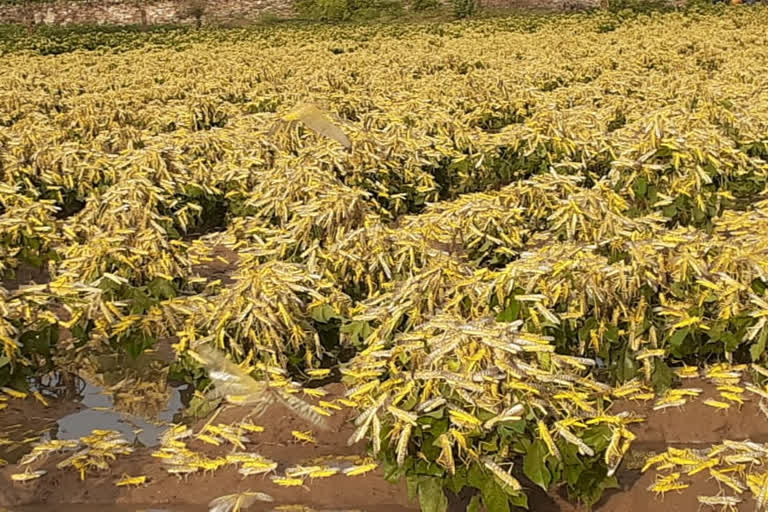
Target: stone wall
{"type": "Point", "coordinates": [130, 12]}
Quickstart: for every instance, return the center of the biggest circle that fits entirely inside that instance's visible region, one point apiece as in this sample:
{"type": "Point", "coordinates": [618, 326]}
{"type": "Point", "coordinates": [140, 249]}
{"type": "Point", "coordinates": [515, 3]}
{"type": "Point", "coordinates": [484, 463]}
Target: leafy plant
{"type": "Point", "coordinates": [464, 8]}
{"type": "Point", "coordinates": [423, 5]}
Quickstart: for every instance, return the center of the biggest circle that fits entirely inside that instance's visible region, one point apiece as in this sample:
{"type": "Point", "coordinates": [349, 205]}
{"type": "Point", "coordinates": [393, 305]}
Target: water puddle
{"type": "Point", "coordinates": [140, 414]}
{"type": "Point", "coordinates": [100, 414]}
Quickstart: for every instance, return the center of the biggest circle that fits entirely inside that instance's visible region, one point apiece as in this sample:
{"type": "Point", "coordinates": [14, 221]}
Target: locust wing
{"type": "Point", "coordinates": [236, 386]}
{"type": "Point", "coordinates": [237, 502]}
{"type": "Point", "coordinates": [231, 380]}
{"type": "Point", "coordinates": [316, 120]}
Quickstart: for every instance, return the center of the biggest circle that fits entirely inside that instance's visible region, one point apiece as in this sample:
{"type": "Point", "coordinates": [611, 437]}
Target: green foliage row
{"type": "Point", "coordinates": [55, 40]}
{"type": "Point", "coordinates": [338, 10]}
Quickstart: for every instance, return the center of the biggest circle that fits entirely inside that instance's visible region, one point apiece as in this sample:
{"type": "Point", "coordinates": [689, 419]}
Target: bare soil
{"type": "Point", "coordinates": [26, 275]}
{"type": "Point", "coordinates": [695, 422]}
{"type": "Point", "coordinates": [276, 442]}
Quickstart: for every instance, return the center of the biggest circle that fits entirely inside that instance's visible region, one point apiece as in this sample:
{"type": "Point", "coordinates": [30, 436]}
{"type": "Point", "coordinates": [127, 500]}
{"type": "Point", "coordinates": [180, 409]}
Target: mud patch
{"type": "Point", "coordinates": [221, 267]}
{"type": "Point", "coordinates": [26, 274]}
{"type": "Point", "coordinates": [369, 492]}
{"type": "Point", "coordinates": [25, 421]}
{"type": "Point", "coordinates": [695, 424]}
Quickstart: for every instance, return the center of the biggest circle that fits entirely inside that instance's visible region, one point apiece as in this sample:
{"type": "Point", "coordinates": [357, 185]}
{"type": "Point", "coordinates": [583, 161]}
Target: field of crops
{"type": "Point", "coordinates": [529, 223]}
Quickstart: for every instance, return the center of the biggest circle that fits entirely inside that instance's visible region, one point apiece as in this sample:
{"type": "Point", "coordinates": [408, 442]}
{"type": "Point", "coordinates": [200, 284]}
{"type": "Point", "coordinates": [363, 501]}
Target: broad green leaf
{"type": "Point", "coordinates": [510, 313]}
{"type": "Point", "coordinates": [431, 495]}
{"type": "Point", "coordinates": [571, 473]}
{"type": "Point", "coordinates": [476, 476]}
{"type": "Point", "coordinates": [458, 481]}
{"type": "Point", "coordinates": [494, 496]}
{"type": "Point", "coordinates": [534, 464]}
{"type": "Point", "coordinates": [201, 407]}
{"type": "Point", "coordinates": [627, 367]}
{"type": "Point", "coordinates": [412, 484]}
{"type": "Point", "coordinates": [640, 187]}
{"type": "Point", "coordinates": [519, 500]}
{"type": "Point", "coordinates": [323, 313]}
{"type": "Point", "coordinates": [757, 348]}
{"type": "Point", "coordinates": [393, 473]}
{"type": "Point", "coordinates": [611, 482]}
{"type": "Point", "coordinates": [597, 437]}
{"type": "Point", "coordinates": [161, 288]}
{"type": "Point", "coordinates": [677, 338]}
{"type": "Point", "coordinates": [662, 376]}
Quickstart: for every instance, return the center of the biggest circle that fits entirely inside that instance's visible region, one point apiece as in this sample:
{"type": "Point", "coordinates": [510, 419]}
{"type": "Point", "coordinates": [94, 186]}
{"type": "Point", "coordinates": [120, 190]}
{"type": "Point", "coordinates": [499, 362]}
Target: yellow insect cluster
{"type": "Point", "coordinates": [497, 220]}
{"type": "Point", "coordinates": [93, 452]}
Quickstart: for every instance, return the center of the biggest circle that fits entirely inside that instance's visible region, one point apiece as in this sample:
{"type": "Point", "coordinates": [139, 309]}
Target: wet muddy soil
{"type": "Point", "coordinates": [369, 492]}
{"type": "Point", "coordinates": [695, 424]}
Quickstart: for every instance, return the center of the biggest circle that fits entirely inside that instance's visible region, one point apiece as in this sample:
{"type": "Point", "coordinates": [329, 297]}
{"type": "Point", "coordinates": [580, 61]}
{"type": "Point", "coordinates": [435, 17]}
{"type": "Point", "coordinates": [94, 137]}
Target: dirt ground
{"type": "Point", "coordinates": [696, 423]}
{"type": "Point", "coordinates": [368, 491]}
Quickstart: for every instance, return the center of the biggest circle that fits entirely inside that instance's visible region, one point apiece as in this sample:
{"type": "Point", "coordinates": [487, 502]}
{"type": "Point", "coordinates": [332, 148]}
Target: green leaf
{"type": "Point", "coordinates": [137, 343]}
{"type": "Point", "coordinates": [490, 446]}
{"type": "Point", "coordinates": [40, 342]}
{"type": "Point", "coordinates": [610, 482]}
{"type": "Point", "coordinates": [458, 481]}
{"type": "Point", "coordinates": [424, 468]}
{"type": "Point", "coordinates": [474, 504]}
{"type": "Point", "coordinates": [511, 429]}
{"type": "Point", "coordinates": [591, 484]}
{"type": "Point", "coordinates": [640, 187]}
{"type": "Point", "coordinates": [431, 495]}
{"type": "Point", "coordinates": [597, 437]}
{"type": "Point", "coordinates": [393, 473]}
{"type": "Point", "coordinates": [662, 376]}
{"type": "Point", "coordinates": [510, 313]}
{"type": "Point", "coordinates": [201, 407]}
{"type": "Point", "coordinates": [494, 497]}
{"type": "Point", "coordinates": [731, 341]}
{"type": "Point", "coordinates": [676, 340]}
{"type": "Point", "coordinates": [519, 500]}
{"type": "Point", "coordinates": [437, 426]}
{"type": "Point", "coordinates": [555, 467]}
{"type": "Point", "coordinates": [357, 331]}
{"type": "Point", "coordinates": [757, 348]}
{"type": "Point", "coordinates": [476, 477]}
{"type": "Point", "coordinates": [4, 360]}
{"type": "Point", "coordinates": [534, 464]}
{"type": "Point", "coordinates": [652, 193]}
{"type": "Point", "coordinates": [571, 473]}
{"type": "Point", "coordinates": [141, 302]}
{"type": "Point", "coordinates": [323, 313]}
{"type": "Point", "coordinates": [412, 483]}
{"type": "Point", "coordinates": [161, 288]}
{"type": "Point", "coordinates": [627, 368]}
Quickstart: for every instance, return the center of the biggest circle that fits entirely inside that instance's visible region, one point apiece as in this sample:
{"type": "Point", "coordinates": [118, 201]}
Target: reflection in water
{"type": "Point", "coordinates": [100, 415]}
